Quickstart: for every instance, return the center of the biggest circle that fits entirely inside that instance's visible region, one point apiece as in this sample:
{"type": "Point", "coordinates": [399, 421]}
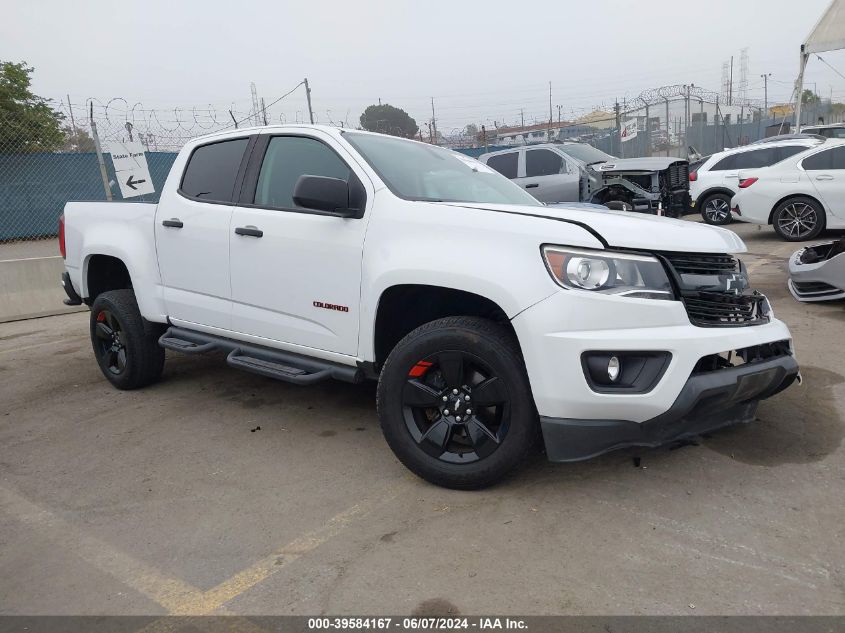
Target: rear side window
{"type": "Point", "coordinates": [755, 158]}
{"type": "Point", "coordinates": [786, 151]}
{"type": "Point", "coordinates": [212, 170]}
{"type": "Point", "coordinates": [505, 164]}
{"type": "Point", "coordinates": [725, 164]}
{"type": "Point", "coordinates": [289, 157]}
{"type": "Point", "coordinates": [828, 159]}
{"type": "Point", "coordinates": [542, 162]}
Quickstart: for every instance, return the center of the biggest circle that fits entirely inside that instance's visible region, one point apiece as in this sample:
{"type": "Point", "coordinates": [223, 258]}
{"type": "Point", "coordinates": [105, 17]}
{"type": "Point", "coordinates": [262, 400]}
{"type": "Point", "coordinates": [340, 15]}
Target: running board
{"type": "Point", "coordinates": [265, 361]}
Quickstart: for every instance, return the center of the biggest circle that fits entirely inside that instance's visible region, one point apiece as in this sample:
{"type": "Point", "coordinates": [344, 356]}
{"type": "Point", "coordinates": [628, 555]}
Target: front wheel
{"type": "Point", "coordinates": [798, 219]}
{"type": "Point", "coordinates": [717, 209]}
{"type": "Point", "coordinates": [455, 404]}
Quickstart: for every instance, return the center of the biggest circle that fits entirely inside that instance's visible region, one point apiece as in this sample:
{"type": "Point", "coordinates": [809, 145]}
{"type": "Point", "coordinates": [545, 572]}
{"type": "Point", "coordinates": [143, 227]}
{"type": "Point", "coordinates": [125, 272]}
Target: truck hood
{"type": "Point", "coordinates": [655, 163]}
{"type": "Point", "coordinates": [631, 230]}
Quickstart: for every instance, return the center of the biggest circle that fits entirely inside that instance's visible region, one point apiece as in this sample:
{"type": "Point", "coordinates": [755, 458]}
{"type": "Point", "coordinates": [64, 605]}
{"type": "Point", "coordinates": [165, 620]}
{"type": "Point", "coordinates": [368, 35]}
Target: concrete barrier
{"type": "Point", "coordinates": [32, 287]}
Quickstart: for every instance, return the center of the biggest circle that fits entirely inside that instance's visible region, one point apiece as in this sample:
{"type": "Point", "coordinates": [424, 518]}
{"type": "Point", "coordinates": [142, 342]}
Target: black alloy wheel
{"type": "Point", "coordinates": [110, 343]}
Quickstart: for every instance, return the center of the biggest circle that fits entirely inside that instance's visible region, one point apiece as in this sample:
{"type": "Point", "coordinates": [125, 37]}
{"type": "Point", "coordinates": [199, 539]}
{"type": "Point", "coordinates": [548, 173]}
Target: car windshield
{"type": "Point", "coordinates": [586, 153]}
{"type": "Point", "coordinates": [416, 171]}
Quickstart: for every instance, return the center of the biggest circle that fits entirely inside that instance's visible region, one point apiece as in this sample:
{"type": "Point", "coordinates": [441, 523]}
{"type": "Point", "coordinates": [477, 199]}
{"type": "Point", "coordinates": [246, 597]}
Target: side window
{"type": "Point", "coordinates": [505, 164]}
{"type": "Point", "coordinates": [212, 170]}
{"type": "Point", "coordinates": [755, 158]}
{"type": "Point", "coordinates": [542, 162]}
{"type": "Point", "coordinates": [829, 159]}
{"type": "Point", "coordinates": [725, 164]}
{"type": "Point", "coordinates": [289, 157]}
{"type": "Point", "coordinates": [786, 151]}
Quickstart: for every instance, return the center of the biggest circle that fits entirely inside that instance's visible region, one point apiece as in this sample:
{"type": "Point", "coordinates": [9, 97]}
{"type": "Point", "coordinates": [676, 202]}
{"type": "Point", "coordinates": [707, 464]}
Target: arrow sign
{"type": "Point", "coordinates": [130, 168]}
{"type": "Point", "coordinates": [131, 183]}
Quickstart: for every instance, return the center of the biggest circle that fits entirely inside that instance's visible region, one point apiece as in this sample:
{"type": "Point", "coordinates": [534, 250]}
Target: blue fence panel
{"type": "Point", "coordinates": [35, 187]}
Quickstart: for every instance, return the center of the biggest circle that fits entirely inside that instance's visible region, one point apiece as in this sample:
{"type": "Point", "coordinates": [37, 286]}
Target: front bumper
{"type": "Point", "coordinates": [708, 401]}
{"type": "Point", "coordinates": [818, 281]}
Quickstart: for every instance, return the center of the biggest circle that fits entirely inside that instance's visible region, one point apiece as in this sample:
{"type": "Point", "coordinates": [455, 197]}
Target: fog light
{"type": "Point", "coordinates": [613, 368]}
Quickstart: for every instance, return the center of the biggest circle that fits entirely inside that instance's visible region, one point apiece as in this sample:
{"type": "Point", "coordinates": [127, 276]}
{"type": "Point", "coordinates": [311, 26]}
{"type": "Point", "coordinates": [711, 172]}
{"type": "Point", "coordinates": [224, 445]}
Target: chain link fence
{"type": "Point", "coordinates": [45, 164]}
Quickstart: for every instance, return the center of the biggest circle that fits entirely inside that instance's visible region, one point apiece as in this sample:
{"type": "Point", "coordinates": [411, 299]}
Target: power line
{"type": "Point", "coordinates": [829, 66]}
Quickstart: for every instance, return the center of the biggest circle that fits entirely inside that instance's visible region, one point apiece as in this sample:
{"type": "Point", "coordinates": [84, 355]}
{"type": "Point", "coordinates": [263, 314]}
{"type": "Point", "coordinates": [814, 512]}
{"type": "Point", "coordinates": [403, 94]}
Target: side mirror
{"type": "Point", "coordinates": [322, 193]}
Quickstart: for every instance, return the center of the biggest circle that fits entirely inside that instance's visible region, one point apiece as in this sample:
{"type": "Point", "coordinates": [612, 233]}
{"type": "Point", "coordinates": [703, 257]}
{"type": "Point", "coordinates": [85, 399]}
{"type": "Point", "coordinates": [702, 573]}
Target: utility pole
{"type": "Point", "coordinates": [433, 119]}
{"type": "Point", "coordinates": [558, 114]}
{"type": "Point", "coordinates": [308, 97]}
{"type": "Point", "coordinates": [430, 137]}
{"type": "Point", "coordinates": [522, 117]}
{"type": "Point", "coordinates": [618, 112]}
{"type": "Point", "coordinates": [766, 92]}
{"type": "Point", "coordinates": [73, 122]}
{"type": "Point", "coordinates": [549, 137]}
{"type": "Point", "coordinates": [731, 84]}
{"type": "Point", "coordinates": [103, 173]}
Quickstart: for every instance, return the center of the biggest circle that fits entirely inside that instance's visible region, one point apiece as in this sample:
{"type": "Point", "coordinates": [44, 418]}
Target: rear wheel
{"type": "Point", "coordinates": [716, 209]}
{"type": "Point", "coordinates": [125, 345]}
{"type": "Point", "coordinates": [798, 219]}
{"type": "Point", "coordinates": [455, 404]}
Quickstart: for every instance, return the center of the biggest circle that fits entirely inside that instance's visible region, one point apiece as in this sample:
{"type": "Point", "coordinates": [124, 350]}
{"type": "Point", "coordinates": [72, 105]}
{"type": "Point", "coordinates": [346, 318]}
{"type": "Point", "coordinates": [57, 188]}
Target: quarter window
{"type": "Point", "coordinates": [289, 157]}
{"type": "Point", "coordinates": [505, 164]}
{"type": "Point", "coordinates": [212, 170]}
{"type": "Point", "coordinates": [542, 162]}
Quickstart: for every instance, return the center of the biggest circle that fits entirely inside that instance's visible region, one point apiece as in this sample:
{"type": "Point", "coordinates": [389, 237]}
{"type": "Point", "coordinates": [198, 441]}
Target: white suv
{"type": "Point", "coordinates": [800, 196]}
{"type": "Point", "coordinates": [715, 180]}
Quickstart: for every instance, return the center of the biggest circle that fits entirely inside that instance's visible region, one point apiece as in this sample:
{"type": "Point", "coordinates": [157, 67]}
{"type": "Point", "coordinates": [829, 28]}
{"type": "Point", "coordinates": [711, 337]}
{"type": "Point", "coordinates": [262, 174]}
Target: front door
{"type": "Point", "coordinates": [296, 274]}
{"type": "Point", "coordinates": [192, 235]}
{"type": "Point", "coordinates": [549, 178]}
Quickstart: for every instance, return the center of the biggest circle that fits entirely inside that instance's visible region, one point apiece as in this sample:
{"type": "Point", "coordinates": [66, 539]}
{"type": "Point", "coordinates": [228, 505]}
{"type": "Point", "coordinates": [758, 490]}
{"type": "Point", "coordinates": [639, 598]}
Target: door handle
{"type": "Point", "coordinates": [533, 185]}
{"type": "Point", "coordinates": [824, 177]}
{"type": "Point", "coordinates": [173, 223]}
{"type": "Point", "coordinates": [250, 231]}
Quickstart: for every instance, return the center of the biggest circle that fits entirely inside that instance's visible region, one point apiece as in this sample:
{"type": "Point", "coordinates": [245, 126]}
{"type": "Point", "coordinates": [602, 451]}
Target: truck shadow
{"type": "Point", "coordinates": [799, 426]}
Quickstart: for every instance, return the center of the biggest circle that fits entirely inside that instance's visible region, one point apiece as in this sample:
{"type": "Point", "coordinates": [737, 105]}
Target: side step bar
{"type": "Point", "coordinates": [273, 363]}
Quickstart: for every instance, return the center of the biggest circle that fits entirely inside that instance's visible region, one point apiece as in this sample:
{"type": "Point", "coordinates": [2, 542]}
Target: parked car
{"type": "Point", "coordinates": [799, 196]}
{"type": "Point", "coordinates": [817, 273]}
{"type": "Point", "coordinates": [714, 180]}
{"type": "Point", "coordinates": [831, 130]}
{"type": "Point", "coordinates": [578, 172]}
{"type": "Point", "coordinates": [311, 252]}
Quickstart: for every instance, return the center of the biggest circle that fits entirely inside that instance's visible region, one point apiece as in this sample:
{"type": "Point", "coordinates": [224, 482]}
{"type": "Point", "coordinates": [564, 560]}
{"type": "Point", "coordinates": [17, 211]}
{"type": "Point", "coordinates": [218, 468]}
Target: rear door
{"type": "Point", "coordinates": [548, 177]}
{"type": "Point", "coordinates": [192, 233]}
{"type": "Point", "coordinates": [826, 170]}
{"type": "Point", "coordinates": [296, 273]}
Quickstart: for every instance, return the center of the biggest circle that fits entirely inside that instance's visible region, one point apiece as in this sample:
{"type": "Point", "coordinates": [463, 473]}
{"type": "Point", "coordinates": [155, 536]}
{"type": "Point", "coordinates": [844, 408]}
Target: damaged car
{"type": "Point", "coordinates": [578, 172]}
{"type": "Point", "coordinates": [817, 273]}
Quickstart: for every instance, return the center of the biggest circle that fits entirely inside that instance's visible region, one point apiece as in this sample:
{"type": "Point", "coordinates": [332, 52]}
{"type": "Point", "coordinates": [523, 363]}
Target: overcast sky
{"type": "Point", "coordinates": [481, 61]}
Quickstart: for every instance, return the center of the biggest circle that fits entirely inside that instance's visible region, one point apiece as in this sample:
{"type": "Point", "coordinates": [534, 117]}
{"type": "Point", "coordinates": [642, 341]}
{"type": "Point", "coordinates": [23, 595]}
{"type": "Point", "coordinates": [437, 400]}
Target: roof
{"type": "Point", "coordinates": [536, 127]}
{"type": "Point", "coordinates": [829, 32]}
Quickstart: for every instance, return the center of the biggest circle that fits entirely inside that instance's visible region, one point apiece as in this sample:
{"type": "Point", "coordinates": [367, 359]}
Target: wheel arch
{"type": "Point", "coordinates": [404, 307]}
{"type": "Point", "coordinates": [795, 196]}
{"type": "Point", "coordinates": [102, 273]}
{"type": "Point", "coordinates": [707, 193]}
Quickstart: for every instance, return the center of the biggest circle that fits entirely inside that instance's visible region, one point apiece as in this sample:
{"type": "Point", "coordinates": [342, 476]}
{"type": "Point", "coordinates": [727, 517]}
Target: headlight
{"type": "Point", "coordinates": [638, 276]}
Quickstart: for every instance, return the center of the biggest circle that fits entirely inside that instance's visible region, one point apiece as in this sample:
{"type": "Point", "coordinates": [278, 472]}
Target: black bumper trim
{"type": "Point", "coordinates": [73, 299]}
{"type": "Point", "coordinates": [708, 401]}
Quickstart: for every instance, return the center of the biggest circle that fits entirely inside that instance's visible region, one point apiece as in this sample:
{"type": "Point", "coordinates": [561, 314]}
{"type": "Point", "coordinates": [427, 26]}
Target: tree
{"type": "Point", "coordinates": [27, 122]}
{"type": "Point", "coordinates": [471, 130]}
{"type": "Point", "coordinates": [389, 120]}
{"type": "Point", "coordinates": [77, 141]}
{"type": "Point", "coordinates": [809, 97]}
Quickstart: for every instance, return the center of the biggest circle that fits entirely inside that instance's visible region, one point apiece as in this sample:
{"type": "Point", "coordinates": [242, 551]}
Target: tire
{"type": "Point", "coordinates": [798, 219]}
{"type": "Point", "coordinates": [716, 209]}
{"type": "Point", "coordinates": [480, 360]}
{"type": "Point", "coordinates": [125, 344]}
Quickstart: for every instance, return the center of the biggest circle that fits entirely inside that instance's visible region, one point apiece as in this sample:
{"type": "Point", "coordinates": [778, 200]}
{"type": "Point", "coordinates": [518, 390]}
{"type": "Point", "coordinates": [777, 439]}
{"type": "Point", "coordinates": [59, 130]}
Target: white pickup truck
{"type": "Point", "coordinates": [310, 253]}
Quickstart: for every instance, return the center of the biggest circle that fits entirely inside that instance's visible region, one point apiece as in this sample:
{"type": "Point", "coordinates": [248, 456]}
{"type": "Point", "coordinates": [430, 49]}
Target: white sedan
{"type": "Point", "coordinates": [800, 196]}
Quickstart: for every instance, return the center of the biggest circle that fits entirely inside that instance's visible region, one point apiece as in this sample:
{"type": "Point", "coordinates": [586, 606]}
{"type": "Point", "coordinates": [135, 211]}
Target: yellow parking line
{"type": "Point", "coordinates": [167, 592]}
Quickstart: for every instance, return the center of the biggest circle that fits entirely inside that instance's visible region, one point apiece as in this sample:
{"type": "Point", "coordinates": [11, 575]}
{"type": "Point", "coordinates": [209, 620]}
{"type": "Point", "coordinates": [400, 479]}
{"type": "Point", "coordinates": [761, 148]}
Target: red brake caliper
{"type": "Point", "coordinates": [419, 369]}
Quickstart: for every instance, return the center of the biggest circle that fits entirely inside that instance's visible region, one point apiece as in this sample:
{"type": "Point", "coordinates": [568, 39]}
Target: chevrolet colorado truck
{"type": "Point", "coordinates": [489, 319]}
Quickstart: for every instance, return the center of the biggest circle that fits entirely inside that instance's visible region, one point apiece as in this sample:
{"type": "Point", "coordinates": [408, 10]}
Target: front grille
{"type": "Point", "coordinates": [813, 287]}
{"type": "Point", "coordinates": [702, 263]}
{"type": "Point", "coordinates": [724, 309]}
{"type": "Point", "coordinates": [679, 175]}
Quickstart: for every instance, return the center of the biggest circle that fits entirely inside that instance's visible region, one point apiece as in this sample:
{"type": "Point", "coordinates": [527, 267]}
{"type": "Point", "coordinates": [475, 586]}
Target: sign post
{"type": "Point", "coordinates": [130, 167]}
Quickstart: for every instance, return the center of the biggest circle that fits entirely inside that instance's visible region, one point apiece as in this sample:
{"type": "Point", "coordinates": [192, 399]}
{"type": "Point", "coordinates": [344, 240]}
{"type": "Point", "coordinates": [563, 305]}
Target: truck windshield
{"type": "Point", "coordinates": [586, 153]}
{"type": "Point", "coordinates": [416, 171]}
